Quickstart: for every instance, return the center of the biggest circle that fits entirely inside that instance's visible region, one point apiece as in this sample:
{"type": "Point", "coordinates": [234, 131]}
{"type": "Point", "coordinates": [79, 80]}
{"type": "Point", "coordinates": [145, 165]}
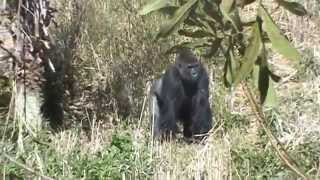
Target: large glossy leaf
{"type": "Point", "coordinates": [251, 53]}
{"type": "Point", "coordinates": [279, 42]}
{"type": "Point", "coordinates": [293, 7]}
{"type": "Point", "coordinates": [180, 15]}
{"type": "Point", "coordinates": [154, 6]}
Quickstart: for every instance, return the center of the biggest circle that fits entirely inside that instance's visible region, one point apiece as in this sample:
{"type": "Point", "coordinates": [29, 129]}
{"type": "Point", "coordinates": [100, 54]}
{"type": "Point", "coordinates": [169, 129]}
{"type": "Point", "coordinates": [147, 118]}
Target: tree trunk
{"type": "Point", "coordinates": [32, 45]}
{"type": "Point", "coordinates": [27, 108]}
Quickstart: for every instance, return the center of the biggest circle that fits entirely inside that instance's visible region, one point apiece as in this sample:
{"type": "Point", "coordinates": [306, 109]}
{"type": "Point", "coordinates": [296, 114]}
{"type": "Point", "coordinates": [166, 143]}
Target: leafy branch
{"type": "Point", "coordinates": [216, 27]}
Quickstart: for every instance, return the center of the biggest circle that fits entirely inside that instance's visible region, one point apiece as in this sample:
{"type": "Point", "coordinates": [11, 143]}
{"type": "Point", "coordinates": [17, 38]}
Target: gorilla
{"type": "Point", "coordinates": [181, 94]}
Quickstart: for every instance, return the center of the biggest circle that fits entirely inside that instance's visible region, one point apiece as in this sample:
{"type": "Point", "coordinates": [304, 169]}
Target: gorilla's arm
{"type": "Point", "coordinates": [168, 96]}
{"type": "Point", "coordinates": [167, 121]}
{"type": "Point", "coordinates": [201, 115]}
{"type": "Point", "coordinates": [203, 83]}
{"type": "Point", "coordinates": [172, 88]}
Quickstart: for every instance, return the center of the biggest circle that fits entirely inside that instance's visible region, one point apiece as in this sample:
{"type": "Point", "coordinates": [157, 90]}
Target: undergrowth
{"type": "Point", "coordinates": [116, 160]}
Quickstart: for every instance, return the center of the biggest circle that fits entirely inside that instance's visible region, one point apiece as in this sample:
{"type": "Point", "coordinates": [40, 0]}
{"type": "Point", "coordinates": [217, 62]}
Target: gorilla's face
{"type": "Point", "coordinates": [189, 72]}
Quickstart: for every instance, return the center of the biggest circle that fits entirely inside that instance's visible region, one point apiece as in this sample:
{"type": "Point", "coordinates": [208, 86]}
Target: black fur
{"type": "Point", "coordinates": [181, 94]}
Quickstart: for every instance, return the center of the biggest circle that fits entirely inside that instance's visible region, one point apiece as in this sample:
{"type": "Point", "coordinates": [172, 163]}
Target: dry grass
{"type": "Point", "coordinates": [299, 114]}
{"type": "Point", "coordinates": [178, 160]}
{"type": "Point", "coordinates": [297, 119]}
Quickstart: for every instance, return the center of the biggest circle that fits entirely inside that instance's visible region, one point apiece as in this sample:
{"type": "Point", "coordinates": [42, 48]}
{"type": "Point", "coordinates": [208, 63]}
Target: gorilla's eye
{"type": "Point", "coordinates": [193, 66]}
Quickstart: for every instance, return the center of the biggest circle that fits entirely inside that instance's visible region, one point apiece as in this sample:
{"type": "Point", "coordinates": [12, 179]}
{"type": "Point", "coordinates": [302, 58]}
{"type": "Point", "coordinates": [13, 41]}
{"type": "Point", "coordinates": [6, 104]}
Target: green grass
{"type": "Point", "coordinates": [115, 160]}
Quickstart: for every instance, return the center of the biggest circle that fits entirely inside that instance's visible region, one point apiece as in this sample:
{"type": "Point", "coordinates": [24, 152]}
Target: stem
{"type": "Point", "coordinates": [26, 168]}
{"type": "Point", "coordinates": [281, 152]}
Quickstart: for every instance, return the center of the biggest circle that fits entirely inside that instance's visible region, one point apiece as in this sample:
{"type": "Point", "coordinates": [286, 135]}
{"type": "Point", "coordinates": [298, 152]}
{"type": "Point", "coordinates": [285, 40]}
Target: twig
{"type": "Point", "coordinates": [25, 167]}
{"type": "Point", "coordinates": [9, 112]}
{"type": "Point", "coordinates": [142, 111]}
{"type": "Point", "coordinates": [10, 54]}
{"type": "Point", "coordinates": [281, 152]}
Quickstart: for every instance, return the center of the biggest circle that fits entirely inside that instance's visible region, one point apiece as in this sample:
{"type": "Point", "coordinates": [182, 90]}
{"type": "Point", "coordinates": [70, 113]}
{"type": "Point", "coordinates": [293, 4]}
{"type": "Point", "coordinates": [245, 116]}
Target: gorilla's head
{"type": "Point", "coordinates": [188, 65]}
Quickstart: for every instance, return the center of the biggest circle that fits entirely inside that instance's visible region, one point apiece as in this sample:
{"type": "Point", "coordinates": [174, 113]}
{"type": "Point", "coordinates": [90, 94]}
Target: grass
{"type": "Point", "coordinates": [106, 47]}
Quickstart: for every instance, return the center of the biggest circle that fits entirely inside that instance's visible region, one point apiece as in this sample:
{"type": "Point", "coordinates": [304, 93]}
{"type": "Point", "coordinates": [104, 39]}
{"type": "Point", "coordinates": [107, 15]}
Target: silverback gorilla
{"type": "Point", "coordinates": [181, 94]}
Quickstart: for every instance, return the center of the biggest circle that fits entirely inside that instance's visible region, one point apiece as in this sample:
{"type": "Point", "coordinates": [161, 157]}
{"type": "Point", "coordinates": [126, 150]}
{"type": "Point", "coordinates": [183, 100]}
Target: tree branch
{"type": "Point", "coordinates": [281, 152]}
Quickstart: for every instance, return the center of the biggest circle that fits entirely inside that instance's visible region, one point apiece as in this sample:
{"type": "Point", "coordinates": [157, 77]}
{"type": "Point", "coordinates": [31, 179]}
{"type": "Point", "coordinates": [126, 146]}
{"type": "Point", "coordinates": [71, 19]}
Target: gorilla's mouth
{"type": "Point", "coordinates": [194, 75]}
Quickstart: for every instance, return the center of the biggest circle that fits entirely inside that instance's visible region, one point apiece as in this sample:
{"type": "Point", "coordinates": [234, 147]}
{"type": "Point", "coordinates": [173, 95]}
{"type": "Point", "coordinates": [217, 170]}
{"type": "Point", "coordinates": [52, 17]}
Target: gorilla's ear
{"type": "Point", "coordinates": [160, 102]}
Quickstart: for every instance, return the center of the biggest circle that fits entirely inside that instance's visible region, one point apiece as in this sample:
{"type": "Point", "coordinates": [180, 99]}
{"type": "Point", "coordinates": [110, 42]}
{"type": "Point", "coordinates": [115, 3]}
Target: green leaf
{"type": "Point", "coordinates": [195, 34]}
{"type": "Point", "coordinates": [263, 82]}
{"type": "Point", "coordinates": [230, 12]}
{"type": "Point", "coordinates": [262, 77]}
{"type": "Point", "coordinates": [250, 55]}
{"type": "Point", "coordinates": [169, 10]}
{"type": "Point", "coordinates": [207, 25]}
{"type": "Point", "coordinates": [278, 41]}
{"type": "Point", "coordinates": [255, 76]}
{"type": "Point", "coordinates": [212, 10]}
{"type": "Point", "coordinates": [214, 47]}
{"type": "Point", "coordinates": [154, 6]}
{"type": "Point", "coordinates": [293, 7]}
{"type": "Point", "coordinates": [271, 98]}
{"type": "Point", "coordinates": [229, 69]}
{"type": "Point", "coordinates": [180, 15]}
{"type": "Point", "coordinates": [227, 5]}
